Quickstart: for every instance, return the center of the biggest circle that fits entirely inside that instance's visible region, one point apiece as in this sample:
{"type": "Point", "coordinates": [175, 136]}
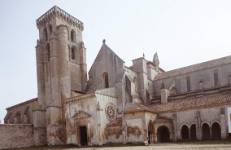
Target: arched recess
{"type": "Point", "coordinates": [73, 51]}
{"type": "Point", "coordinates": [193, 135]}
{"type": "Point", "coordinates": [26, 115]}
{"type": "Point", "coordinates": [184, 132]}
{"type": "Point", "coordinates": [45, 34]}
{"type": "Point", "coordinates": [150, 132]}
{"type": "Point", "coordinates": [105, 80]}
{"type": "Point", "coordinates": [73, 36]}
{"type": "Point", "coordinates": [163, 134]}
{"type": "Point", "coordinates": [128, 94]}
{"type": "Point", "coordinates": [50, 29]}
{"type": "Point", "coordinates": [216, 131]}
{"type": "Point", "coordinates": [205, 131]}
{"type": "Point", "coordinates": [48, 52]}
{"type": "Point", "coordinates": [18, 118]}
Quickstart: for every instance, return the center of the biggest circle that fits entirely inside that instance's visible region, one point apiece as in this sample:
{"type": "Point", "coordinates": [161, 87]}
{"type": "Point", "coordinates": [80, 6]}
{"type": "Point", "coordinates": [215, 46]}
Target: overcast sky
{"type": "Point", "coordinates": [183, 32]}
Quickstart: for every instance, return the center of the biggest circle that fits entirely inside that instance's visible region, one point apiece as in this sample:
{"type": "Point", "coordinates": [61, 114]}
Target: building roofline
{"type": "Point", "coordinates": [55, 10]}
{"type": "Point", "coordinates": [23, 103]}
{"type": "Point", "coordinates": [194, 68]}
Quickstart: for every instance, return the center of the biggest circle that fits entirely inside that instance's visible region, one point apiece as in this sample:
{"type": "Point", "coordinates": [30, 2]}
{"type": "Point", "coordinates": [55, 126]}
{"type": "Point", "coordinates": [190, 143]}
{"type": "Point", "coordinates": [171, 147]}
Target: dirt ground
{"type": "Point", "coordinates": [167, 146]}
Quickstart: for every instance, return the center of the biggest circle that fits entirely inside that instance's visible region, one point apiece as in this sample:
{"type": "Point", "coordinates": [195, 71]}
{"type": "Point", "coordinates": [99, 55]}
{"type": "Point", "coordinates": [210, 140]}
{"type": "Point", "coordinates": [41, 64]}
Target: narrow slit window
{"type": "Point", "coordinates": [106, 82]}
{"type": "Point", "coordinates": [73, 36]}
{"type": "Point", "coordinates": [73, 53]}
{"type": "Point", "coordinates": [215, 76]}
{"type": "Point", "coordinates": [188, 83]}
{"type": "Point", "coordinates": [48, 52]}
{"type": "Point", "coordinates": [45, 34]}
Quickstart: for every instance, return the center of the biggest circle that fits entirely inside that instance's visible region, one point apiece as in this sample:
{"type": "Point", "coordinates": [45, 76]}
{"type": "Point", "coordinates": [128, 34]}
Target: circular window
{"type": "Point", "coordinates": [110, 111]}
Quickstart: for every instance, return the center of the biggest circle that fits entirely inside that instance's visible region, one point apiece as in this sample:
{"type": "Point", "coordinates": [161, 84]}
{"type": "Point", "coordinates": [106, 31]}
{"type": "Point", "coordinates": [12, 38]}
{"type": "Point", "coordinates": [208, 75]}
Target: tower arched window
{"type": "Point", "coordinates": [73, 36]}
{"type": "Point", "coordinates": [215, 77]}
{"type": "Point", "coordinates": [73, 49]}
{"type": "Point", "coordinates": [48, 52]}
{"type": "Point", "coordinates": [188, 83]}
{"type": "Point", "coordinates": [45, 34]}
{"type": "Point", "coordinates": [105, 78]}
{"type": "Point", "coordinates": [50, 28]}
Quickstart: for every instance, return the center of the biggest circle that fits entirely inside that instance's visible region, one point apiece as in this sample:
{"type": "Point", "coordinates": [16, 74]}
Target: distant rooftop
{"type": "Point", "coordinates": [59, 12]}
{"type": "Point", "coordinates": [196, 67]}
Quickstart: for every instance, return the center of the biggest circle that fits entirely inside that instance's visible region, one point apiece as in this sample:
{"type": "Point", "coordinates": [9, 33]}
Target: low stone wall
{"type": "Point", "coordinates": [16, 136]}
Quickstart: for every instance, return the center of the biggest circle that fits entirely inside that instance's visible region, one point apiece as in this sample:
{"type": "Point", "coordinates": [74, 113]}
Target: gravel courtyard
{"type": "Point", "coordinates": [193, 146]}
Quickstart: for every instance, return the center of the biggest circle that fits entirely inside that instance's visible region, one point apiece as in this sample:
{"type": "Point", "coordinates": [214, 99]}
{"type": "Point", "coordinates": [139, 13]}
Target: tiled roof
{"type": "Point", "coordinates": [194, 102]}
{"type": "Point", "coordinates": [195, 67]}
{"type": "Point", "coordinates": [137, 108]}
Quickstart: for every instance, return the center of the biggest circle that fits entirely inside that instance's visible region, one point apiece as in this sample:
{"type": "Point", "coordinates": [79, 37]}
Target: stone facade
{"type": "Point", "coordinates": [138, 104]}
{"type": "Point", "coordinates": [16, 136]}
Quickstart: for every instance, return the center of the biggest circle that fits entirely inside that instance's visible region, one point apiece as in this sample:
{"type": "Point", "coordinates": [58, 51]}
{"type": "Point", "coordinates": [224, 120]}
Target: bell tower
{"type": "Point", "coordinates": [61, 68]}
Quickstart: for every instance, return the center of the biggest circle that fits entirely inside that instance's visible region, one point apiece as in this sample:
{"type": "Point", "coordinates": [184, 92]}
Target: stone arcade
{"type": "Point", "coordinates": [115, 103]}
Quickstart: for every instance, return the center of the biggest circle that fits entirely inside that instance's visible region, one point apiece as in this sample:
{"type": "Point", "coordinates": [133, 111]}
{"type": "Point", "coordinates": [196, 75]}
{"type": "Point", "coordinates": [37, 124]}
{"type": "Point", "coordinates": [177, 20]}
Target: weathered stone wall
{"type": "Point", "coordinates": [137, 127]}
{"type": "Point", "coordinates": [82, 111]}
{"type": "Point", "coordinates": [16, 136]}
{"type": "Point", "coordinates": [110, 123]}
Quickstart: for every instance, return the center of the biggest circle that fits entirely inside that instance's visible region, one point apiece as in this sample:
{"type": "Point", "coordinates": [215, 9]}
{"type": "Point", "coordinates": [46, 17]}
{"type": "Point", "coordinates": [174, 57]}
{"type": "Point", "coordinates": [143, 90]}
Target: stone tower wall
{"type": "Point", "coordinates": [61, 68]}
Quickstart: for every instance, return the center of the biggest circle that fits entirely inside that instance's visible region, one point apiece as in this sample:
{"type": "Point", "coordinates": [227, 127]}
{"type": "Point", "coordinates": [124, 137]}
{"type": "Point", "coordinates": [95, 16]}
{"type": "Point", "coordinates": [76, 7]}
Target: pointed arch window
{"type": "Point", "coordinates": [73, 36]}
{"type": "Point", "coordinates": [45, 34]}
{"type": "Point", "coordinates": [73, 49]}
{"type": "Point", "coordinates": [128, 89]}
{"type": "Point", "coordinates": [188, 83]}
{"type": "Point", "coordinates": [215, 77]}
{"type": "Point", "coordinates": [106, 81]}
{"type": "Point", "coordinates": [50, 28]}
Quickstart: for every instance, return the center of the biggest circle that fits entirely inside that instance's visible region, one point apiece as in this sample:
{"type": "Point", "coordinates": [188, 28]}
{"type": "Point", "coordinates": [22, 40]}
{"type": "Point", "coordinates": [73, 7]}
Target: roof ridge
{"type": "Point", "coordinates": [195, 67]}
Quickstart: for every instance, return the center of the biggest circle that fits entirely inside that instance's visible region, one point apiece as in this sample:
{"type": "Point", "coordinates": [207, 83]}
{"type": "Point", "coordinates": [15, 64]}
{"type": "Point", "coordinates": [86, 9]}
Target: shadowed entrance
{"type": "Point", "coordinates": [193, 132]}
{"type": "Point", "coordinates": [205, 131]}
{"type": "Point", "coordinates": [163, 134]}
{"type": "Point", "coordinates": [83, 135]}
{"type": "Point", "coordinates": [216, 131]}
{"type": "Point", "coordinates": [185, 133]}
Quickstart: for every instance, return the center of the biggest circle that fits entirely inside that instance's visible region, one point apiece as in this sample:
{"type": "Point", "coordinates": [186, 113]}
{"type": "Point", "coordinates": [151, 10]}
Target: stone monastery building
{"type": "Point", "coordinates": [115, 103]}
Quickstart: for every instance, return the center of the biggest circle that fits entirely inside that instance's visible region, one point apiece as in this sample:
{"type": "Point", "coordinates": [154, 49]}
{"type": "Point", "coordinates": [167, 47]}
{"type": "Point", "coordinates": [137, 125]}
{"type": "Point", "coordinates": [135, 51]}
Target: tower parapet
{"type": "Point", "coordinates": [58, 12]}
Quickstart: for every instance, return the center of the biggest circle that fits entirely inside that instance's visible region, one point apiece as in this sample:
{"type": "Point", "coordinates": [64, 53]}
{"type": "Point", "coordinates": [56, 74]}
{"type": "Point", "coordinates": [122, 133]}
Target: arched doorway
{"type": "Point", "coordinates": [193, 132]}
{"type": "Point", "coordinates": [216, 131]}
{"type": "Point", "coordinates": [205, 131]}
{"type": "Point", "coordinates": [163, 134]}
{"type": "Point", "coordinates": [184, 132]}
{"type": "Point", "coordinates": [150, 132]}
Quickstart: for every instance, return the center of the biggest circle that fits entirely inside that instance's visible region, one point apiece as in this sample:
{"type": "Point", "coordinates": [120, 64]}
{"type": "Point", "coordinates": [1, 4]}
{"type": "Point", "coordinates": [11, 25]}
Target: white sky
{"type": "Point", "coordinates": [183, 32]}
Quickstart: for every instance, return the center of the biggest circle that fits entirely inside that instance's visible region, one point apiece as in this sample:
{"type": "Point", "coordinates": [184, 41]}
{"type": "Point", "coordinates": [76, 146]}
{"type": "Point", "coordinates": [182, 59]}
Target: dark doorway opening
{"type": "Point", "coordinates": [193, 135]}
{"type": "Point", "coordinates": [149, 137]}
{"type": "Point", "coordinates": [83, 135]}
{"type": "Point", "coordinates": [184, 133]}
{"type": "Point", "coordinates": [150, 132]}
{"type": "Point", "coordinates": [163, 134]}
{"type": "Point", "coordinates": [216, 131]}
{"type": "Point", "coordinates": [205, 132]}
